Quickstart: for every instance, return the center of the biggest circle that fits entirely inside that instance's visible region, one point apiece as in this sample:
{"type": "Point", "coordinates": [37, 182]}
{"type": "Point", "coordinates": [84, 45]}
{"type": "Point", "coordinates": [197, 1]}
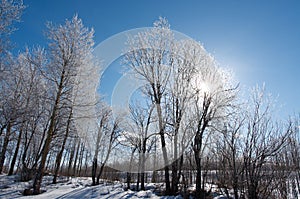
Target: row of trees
{"type": "Point", "coordinates": [194, 104]}
{"type": "Point", "coordinates": [189, 117]}
{"type": "Point", "coordinates": [42, 93]}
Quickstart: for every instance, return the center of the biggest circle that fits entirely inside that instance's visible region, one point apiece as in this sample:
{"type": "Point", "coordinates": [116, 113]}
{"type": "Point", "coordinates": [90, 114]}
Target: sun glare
{"type": "Point", "coordinates": [203, 87]}
{"type": "Point", "coordinates": [200, 86]}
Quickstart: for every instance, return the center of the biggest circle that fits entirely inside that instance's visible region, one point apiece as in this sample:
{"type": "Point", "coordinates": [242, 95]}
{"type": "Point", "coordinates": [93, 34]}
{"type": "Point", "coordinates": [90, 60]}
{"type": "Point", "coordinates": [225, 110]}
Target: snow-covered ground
{"type": "Point", "coordinates": [80, 187]}
{"type": "Point", "coordinates": [74, 188]}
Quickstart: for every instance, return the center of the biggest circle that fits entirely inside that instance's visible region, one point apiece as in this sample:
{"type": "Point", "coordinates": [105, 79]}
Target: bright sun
{"type": "Point", "coordinates": [200, 86]}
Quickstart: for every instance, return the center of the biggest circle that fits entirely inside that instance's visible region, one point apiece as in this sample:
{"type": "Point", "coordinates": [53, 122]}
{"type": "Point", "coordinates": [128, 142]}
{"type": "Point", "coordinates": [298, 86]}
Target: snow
{"type": "Point", "coordinates": [73, 188]}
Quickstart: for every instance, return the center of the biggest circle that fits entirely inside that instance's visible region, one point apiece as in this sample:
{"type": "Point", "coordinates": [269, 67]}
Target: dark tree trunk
{"type": "Point", "coordinates": [138, 182]}
{"type": "Point", "coordinates": [2, 129]}
{"type": "Point", "coordinates": [4, 147]}
{"type": "Point", "coordinates": [76, 159]}
{"type": "Point", "coordinates": [13, 162]}
{"type": "Point", "coordinates": [143, 181]}
{"type": "Point", "coordinates": [128, 180]}
{"type": "Point", "coordinates": [94, 170]}
{"type": "Point", "coordinates": [40, 172]}
{"type": "Point", "coordinates": [110, 145]}
{"type": "Point", "coordinates": [80, 160]}
{"type": "Point", "coordinates": [60, 153]}
{"type": "Point", "coordinates": [143, 165]}
{"type": "Point", "coordinates": [252, 192]}
{"type": "Point", "coordinates": [199, 191]}
{"type": "Point", "coordinates": [71, 158]}
{"type": "Point", "coordinates": [197, 151]}
{"type": "Point", "coordinates": [163, 145]}
{"type": "Point", "coordinates": [130, 167]}
{"type": "Point", "coordinates": [100, 173]}
{"type": "Point", "coordinates": [174, 177]}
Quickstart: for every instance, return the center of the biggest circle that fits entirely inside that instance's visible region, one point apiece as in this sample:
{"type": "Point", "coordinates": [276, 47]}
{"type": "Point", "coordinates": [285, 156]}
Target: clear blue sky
{"type": "Point", "coordinates": [259, 40]}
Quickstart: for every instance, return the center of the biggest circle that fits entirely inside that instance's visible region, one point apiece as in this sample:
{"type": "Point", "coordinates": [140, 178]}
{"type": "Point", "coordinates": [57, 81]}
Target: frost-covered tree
{"type": "Point", "coordinates": [185, 60]}
{"type": "Point", "coordinates": [292, 159]}
{"type": "Point", "coordinates": [10, 12]}
{"type": "Point", "coordinates": [33, 94]}
{"type": "Point", "coordinates": [139, 133]}
{"type": "Point", "coordinates": [264, 139]}
{"type": "Point", "coordinates": [149, 56]}
{"type": "Point", "coordinates": [228, 150]}
{"type": "Point", "coordinates": [213, 99]}
{"type": "Point", "coordinates": [187, 89]}
{"type": "Point", "coordinates": [103, 116]}
{"type": "Point", "coordinates": [106, 134]}
{"type": "Point", "coordinates": [70, 58]}
{"type": "Point", "coordinates": [22, 92]}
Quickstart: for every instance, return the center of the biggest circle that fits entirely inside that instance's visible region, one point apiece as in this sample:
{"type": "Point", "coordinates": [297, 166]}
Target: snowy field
{"type": "Point", "coordinates": [79, 188]}
{"type": "Point", "coordinates": [74, 188]}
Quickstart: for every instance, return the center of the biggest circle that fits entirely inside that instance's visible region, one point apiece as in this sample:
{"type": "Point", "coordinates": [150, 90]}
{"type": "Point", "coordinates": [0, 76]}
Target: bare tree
{"type": "Point", "coordinates": [60, 153]}
{"type": "Point", "coordinates": [70, 50]}
{"type": "Point", "coordinates": [228, 149]}
{"type": "Point", "coordinates": [263, 140]}
{"type": "Point", "coordinates": [21, 91]}
{"type": "Point", "coordinates": [111, 135]}
{"type": "Point", "coordinates": [104, 116]}
{"type": "Point", "coordinates": [292, 157]}
{"type": "Point", "coordinates": [149, 57]}
{"type": "Point", "coordinates": [10, 12]}
{"type": "Point", "coordinates": [140, 136]}
{"type": "Point", "coordinates": [32, 92]}
{"type": "Point", "coordinates": [184, 63]}
{"type": "Point", "coordinates": [213, 100]}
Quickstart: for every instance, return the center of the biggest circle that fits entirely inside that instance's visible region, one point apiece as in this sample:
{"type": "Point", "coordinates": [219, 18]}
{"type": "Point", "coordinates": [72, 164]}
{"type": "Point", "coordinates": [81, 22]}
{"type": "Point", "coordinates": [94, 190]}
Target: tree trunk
{"type": "Point", "coordinates": [76, 158]}
{"type": "Point", "coordinates": [138, 182]}
{"type": "Point", "coordinates": [175, 178]}
{"type": "Point", "coordinates": [252, 192]}
{"type": "Point", "coordinates": [95, 160]}
{"type": "Point", "coordinates": [71, 158]}
{"type": "Point", "coordinates": [143, 165]}
{"type": "Point", "coordinates": [13, 162]}
{"type": "Point", "coordinates": [100, 173]}
{"type": "Point", "coordinates": [110, 145]}
{"type": "Point", "coordinates": [40, 172]}
{"type": "Point", "coordinates": [94, 170]}
{"type": "Point", "coordinates": [197, 150]}
{"type": "Point", "coordinates": [164, 150]}
{"type": "Point", "coordinates": [81, 153]}
{"type": "Point", "coordinates": [199, 191]}
{"type": "Point", "coordinates": [4, 147]}
{"type": "Point", "coordinates": [60, 153]}
{"type": "Point", "coordinates": [2, 129]}
{"type": "Point", "coordinates": [128, 180]}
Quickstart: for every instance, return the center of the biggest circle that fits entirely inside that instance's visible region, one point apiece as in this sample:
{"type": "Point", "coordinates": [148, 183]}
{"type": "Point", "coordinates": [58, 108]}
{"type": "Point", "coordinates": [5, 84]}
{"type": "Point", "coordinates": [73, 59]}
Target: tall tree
{"type": "Point", "coordinates": [149, 57]}
{"type": "Point", "coordinates": [213, 99]}
{"type": "Point", "coordinates": [140, 136]}
{"type": "Point", "coordinates": [10, 12]}
{"type": "Point", "coordinates": [104, 116]}
{"type": "Point", "coordinates": [31, 92]}
{"type": "Point", "coordinates": [228, 149]}
{"type": "Point", "coordinates": [264, 138]}
{"type": "Point", "coordinates": [70, 53]}
{"type": "Point", "coordinates": [185, 58]}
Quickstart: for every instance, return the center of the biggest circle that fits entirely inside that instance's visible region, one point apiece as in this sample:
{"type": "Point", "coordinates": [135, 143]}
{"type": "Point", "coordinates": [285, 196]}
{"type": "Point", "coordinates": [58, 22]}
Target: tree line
{"type": "Point", "coordinates": [189, 123]}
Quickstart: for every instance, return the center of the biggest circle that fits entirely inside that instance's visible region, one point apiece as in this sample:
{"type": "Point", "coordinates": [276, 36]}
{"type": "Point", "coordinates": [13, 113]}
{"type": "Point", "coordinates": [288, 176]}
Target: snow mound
{"type": "Point", "coordinates": [104, 191]}
{"type": "Point", "coordinates": [144, 194]}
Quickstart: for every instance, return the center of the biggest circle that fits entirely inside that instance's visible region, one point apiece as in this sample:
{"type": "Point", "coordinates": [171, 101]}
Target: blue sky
{"type": "Point", "coordinates": [259, 40]}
